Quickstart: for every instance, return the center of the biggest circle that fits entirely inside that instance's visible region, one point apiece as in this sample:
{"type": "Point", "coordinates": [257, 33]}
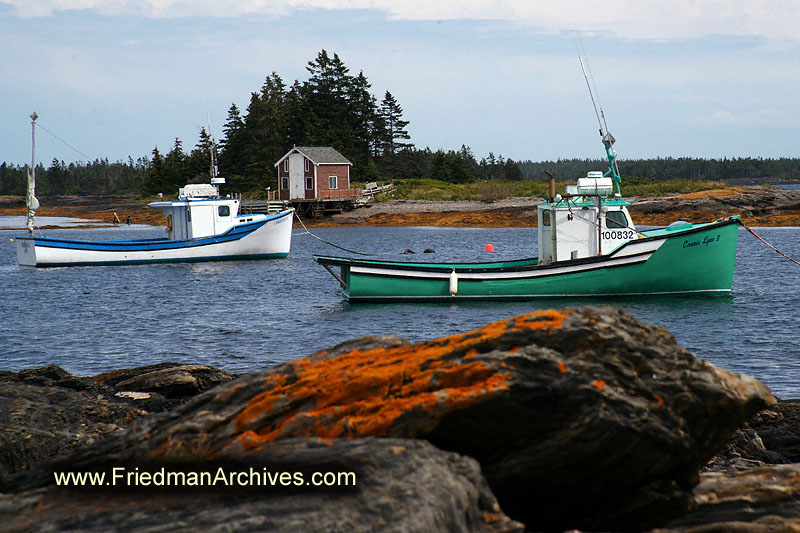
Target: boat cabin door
{"type": "Point", "coordinates": [616, 228]}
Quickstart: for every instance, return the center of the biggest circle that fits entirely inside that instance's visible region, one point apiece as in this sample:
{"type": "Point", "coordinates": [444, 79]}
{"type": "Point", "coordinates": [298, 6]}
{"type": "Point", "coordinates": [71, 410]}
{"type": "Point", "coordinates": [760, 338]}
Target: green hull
{"type": "Point", "coordinates": [684, 259]}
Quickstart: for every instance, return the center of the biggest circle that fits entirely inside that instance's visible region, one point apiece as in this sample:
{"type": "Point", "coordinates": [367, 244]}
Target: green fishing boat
{"type": "Point", "coordinates": [588, 246]}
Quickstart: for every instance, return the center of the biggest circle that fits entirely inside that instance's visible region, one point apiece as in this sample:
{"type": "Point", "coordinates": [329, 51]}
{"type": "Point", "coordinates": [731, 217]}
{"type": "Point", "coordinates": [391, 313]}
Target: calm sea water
{"type": "Point", "coordinates": [245, 316]}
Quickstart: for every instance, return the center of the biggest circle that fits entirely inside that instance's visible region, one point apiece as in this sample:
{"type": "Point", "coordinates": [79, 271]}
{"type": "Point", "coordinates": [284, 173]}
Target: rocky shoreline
{"type": "Point", "coordinates": [758, 206]}
{"type": "Point", "coordinates": [576, 419]}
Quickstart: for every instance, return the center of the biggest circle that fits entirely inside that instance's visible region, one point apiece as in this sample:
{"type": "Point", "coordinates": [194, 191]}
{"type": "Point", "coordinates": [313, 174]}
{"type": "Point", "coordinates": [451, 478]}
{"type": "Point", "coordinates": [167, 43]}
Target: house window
{"type": "Point", "coordinates": [332, 182]}
{"type": "Point", "coordinates": [224, 210]}
{"type": "Point", "coordinates": [284, 182]}
{"type": "Point", "coordinates": [307, 166]}
{"type": "Point", "coordinates": [309, 183]}
{"type": "Point", "coordinates": [286, 165]}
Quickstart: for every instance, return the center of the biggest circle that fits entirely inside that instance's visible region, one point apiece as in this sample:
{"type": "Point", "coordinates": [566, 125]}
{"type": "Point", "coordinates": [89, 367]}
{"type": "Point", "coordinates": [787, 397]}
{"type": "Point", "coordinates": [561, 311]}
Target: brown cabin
{"type": "Point", "coordinates": [314, 173]}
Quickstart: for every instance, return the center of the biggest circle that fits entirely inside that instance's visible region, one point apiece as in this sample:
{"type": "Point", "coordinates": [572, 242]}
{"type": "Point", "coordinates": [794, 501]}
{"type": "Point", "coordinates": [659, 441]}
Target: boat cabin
{"type": "Point", "coordinates": [199, 212]}
{"type": "Point", "coordinates": [585, 222]}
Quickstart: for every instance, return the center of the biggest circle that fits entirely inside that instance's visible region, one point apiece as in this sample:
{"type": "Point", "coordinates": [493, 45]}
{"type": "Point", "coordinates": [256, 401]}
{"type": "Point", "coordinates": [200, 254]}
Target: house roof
{"type": "Point", "coordinates": [319, 155]}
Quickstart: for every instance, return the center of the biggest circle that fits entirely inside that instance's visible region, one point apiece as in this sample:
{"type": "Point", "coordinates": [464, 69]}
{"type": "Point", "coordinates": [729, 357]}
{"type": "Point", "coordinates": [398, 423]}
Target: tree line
{"type": "Point", "coordinates": [336, 108]}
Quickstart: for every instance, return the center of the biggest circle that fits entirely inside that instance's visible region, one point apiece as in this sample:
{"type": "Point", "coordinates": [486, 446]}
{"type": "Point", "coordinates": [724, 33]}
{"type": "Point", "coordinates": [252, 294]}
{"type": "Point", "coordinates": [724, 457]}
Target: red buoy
{"type": "Point", "coordinates": [489, 247]}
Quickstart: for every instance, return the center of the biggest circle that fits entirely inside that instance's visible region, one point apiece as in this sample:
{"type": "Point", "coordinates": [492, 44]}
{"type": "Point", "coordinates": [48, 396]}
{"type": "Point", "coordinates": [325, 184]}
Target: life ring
{"type": "Point", "coordinates": [169, 224]}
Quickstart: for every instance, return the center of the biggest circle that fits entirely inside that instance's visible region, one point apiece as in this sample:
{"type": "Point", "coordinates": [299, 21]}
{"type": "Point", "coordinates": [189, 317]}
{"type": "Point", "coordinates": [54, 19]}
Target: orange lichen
{"type": "Point", "coordinates": [363, 393]}
{"type": "Point", "coordinates": [561, 368]}
{"type": "Point", "coordinates": [659, 399]}
{"type": "Point", "coordinates": [600, 384]}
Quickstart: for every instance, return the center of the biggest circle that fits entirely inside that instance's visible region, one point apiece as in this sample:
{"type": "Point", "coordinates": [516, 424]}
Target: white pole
{"type": "Point", "coordinates": [30, 198]}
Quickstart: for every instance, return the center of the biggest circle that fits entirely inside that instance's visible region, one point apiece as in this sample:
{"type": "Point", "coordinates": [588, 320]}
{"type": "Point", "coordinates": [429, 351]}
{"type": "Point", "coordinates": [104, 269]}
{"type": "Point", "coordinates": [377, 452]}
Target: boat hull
{"type": "Point", "coordinates": [685, 259]}
{"type": "Point", "coordinates": [268, 238]}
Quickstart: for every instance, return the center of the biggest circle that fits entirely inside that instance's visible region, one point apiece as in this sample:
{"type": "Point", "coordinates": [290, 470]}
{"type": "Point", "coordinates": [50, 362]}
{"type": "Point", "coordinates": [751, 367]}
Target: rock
{"type": "Point", "coordinates": [171, 380]}
{"type": "Point", "coordinates": [41, 420]}
{"type": "Point", "coordinates": [764, 499]}
{"type": "Point", "coordinates": [386, 485]}
{"type": "Point", "coordinates": [579, 419]}
{"type": "Point", "coordinates": [779, 429]}
{"type": "Point", "coordinates": [47, 412]}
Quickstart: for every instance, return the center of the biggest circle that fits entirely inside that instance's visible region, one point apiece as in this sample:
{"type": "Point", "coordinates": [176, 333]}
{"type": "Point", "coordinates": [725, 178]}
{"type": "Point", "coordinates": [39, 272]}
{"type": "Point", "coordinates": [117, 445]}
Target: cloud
{"type": "Point", "coordinates": [626, 19]}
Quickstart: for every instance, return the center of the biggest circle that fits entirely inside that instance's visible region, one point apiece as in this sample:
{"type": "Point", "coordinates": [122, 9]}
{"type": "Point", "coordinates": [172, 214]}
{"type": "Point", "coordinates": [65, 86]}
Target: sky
{"type": "Point", "coordinates": [679, 78]}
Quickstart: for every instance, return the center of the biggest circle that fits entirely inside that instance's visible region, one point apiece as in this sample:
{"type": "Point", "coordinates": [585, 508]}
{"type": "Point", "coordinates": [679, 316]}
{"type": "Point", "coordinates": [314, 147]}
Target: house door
{"type": "Point", "coordinates": [296, 181]}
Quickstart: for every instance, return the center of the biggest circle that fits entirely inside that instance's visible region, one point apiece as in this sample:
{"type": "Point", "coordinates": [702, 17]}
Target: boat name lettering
{"type": "Point", "coordinates": [624, 234]}
{"type": "Point", "coordinates": [705, 242]}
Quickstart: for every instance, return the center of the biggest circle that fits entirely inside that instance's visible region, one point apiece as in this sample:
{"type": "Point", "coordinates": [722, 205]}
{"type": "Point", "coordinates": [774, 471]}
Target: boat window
{"type": "Point", "coordinates": [224, 210]}
{"type": "Point", "coordinates": [616, 219]}
{"type": "Point", "coordinates": [332, 182]}
{"type": "Point", "coordinates": [545, 218]}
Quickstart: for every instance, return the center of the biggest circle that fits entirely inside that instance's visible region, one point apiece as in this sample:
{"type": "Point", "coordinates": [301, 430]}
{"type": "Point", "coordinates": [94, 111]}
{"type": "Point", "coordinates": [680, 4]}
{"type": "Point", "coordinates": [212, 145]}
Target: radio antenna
{"type": "Point", "coordinates": [595, 96]}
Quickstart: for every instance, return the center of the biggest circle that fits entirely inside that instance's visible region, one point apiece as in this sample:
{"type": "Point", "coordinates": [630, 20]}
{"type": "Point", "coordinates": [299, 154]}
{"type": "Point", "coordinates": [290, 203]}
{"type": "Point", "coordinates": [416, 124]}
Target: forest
{"type": "Point", "coordinates": [336, 108]}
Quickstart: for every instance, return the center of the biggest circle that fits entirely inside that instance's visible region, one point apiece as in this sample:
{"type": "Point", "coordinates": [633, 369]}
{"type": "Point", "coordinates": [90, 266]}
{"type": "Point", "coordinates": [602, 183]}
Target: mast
{"type": "Point", "coordinates": [31, 202]}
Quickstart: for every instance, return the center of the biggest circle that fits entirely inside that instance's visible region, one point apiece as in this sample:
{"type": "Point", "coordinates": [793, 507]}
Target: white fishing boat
{"type": "Point", "coordinates": [201, 226]}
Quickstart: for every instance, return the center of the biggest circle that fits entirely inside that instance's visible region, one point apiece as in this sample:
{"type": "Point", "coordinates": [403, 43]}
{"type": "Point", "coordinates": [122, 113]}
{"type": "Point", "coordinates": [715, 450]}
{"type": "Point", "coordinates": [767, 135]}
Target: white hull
{"type": "Point", "coordinates": [271, 240]}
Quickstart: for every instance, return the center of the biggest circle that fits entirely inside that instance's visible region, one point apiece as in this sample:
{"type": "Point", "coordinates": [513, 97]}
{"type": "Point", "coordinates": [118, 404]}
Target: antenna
{"type": "Point", "coordinates": [607, 139]}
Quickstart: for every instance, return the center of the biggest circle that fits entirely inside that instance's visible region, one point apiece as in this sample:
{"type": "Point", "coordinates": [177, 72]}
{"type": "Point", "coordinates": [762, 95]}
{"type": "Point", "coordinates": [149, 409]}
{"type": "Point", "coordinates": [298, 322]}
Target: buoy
{"type": "Point", "coordinates": [489, 247]}
{"type": "Point", "coordinates": [453, 283]}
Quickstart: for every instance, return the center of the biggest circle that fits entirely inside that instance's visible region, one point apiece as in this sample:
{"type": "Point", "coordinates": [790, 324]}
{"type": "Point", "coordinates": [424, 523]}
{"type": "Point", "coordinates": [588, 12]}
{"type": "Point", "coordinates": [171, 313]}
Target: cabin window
{"type": "Point", "coordinates": [545, 218]}
{"type": "Point", "coordinates": [224, 210]}
{"type": "Point", "coordinates": [286, 165]}
{"type": "Point", "coordinates": [309, 183]}
{"type": "Point", "coordinates": [616, 219]}
{"type": "Point", "coordinates": [285, 182]}
{"type": "Point", "coordinates": [307, 167]}
{"type": "Point", "coordinates": [333, 182]}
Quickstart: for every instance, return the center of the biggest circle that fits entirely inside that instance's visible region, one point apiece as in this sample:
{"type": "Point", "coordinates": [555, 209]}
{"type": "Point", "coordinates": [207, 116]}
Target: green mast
{"type": "Point", "coordinates": [608, 142]}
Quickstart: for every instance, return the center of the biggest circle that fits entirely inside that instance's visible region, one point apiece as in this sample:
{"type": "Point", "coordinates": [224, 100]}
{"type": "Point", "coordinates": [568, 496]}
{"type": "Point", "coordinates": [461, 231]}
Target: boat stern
{"type": "Point", "coordinates": [26, 251]}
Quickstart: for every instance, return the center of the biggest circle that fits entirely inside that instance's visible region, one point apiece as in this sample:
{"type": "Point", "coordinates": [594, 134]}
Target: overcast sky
{"type": "Point", "coordinates": [116, 78]}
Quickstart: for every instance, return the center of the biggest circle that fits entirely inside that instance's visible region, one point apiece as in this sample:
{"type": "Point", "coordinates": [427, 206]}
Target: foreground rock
{"type": "Point", "coordinates": [579, 419]}
{"type": "Point", "coordinates": [46, 412]}
{"type": "Point", "coordinates": [763, 499]}
{"type": "Point", "coordinates": [385, 485]}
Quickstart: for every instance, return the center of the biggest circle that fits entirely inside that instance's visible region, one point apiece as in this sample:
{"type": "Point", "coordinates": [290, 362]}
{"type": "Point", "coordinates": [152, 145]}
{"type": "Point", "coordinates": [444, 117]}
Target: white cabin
{"type": "Point", "coordinates": [583, 223]}
{"type": "Point", "coordinates": [198, 212]}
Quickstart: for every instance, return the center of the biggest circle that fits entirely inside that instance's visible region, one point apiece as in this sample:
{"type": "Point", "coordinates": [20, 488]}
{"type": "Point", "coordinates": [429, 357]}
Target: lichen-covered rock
{"type": "Point", "coordinates": [390, 485]}
{"type": "Point", "coordinates": [580, 419]}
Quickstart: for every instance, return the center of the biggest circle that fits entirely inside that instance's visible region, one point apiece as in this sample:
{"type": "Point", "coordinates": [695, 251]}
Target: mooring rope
{"type": "Point", "coordinates": [754, 234]}
{"type": "Point", "coordinates": [323, 240]}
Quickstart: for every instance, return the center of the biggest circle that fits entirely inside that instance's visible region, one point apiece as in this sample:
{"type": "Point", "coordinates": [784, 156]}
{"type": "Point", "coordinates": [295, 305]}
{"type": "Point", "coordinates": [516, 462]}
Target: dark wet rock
{"type": "Point", "coordinates": [46, 412]}
{"type": "Point", "coordinates": [763, 499]}
{"type": "Point", "coordinates": [171, 380]}
{"type": "Point", "coordinates": [779, 429]}
{"type": "Point", "coordinates": [396, 485]}
{"type": "Point", "coordinates": [579, 419]}
{"type": "Point", "coordinates": [40, 421]}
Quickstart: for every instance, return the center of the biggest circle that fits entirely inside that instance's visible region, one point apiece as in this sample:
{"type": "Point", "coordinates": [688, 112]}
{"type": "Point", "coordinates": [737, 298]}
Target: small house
{"type": "Point", "coordinates": [314, 173]}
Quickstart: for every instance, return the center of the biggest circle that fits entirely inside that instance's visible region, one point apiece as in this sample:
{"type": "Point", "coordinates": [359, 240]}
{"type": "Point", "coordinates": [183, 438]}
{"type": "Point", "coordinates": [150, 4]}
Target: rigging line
{"type": "Point", "coordinates": [765, 242]}
{"type": "Point", "coordinates": [65, 142]}
{"type": "Point", "coordinates": [323, 240]}
{"type": "Point", "coordinates": [596, 93]}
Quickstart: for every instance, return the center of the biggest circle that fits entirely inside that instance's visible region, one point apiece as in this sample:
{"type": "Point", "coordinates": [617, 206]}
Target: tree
{"type": "Point", "coordinates": [394, 127]}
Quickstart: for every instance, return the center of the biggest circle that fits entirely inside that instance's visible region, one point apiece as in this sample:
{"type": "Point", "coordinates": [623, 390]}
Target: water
{"type": "Point", "coordinates": [248, 315]}
{"type": "Point", "coordinates": [21, 222]}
